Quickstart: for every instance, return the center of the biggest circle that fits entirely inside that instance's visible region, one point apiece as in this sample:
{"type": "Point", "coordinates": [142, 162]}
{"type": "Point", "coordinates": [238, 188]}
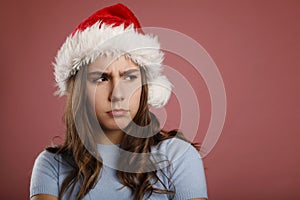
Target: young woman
{"type": "Point", "coordinates": [114, 147]}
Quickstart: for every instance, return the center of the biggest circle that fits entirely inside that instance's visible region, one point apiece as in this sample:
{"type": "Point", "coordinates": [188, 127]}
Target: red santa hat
{"type": "Point", "coordinates": [113, 31]}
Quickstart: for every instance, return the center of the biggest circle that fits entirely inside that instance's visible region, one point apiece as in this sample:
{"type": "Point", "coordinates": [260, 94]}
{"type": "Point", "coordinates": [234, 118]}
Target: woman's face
{"type": "Point", "coordinates": [114, 90]}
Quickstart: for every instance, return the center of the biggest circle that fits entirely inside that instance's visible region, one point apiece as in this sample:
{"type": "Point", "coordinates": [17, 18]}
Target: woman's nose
{"type": "Point", "coordinates": [117, 91]}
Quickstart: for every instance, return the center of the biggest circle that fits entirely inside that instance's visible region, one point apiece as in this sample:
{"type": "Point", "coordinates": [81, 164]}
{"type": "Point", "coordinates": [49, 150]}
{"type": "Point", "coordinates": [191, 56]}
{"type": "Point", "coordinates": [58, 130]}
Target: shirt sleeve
{"type": "Point", "coordinates": [44, 177]}
{"type": "Point", "coordinates": [187, 172]}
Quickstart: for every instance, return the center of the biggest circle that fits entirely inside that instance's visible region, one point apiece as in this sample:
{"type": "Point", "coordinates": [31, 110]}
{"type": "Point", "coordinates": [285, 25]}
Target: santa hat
{"type": "Point", "coordinates": [114, 31]}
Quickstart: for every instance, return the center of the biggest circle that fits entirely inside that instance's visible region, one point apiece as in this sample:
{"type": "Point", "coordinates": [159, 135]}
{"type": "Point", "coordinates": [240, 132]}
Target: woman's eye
{"type": "Point", "coordinates": [101, 79]}
{"type": "Point", "coordinates": [130, 77]}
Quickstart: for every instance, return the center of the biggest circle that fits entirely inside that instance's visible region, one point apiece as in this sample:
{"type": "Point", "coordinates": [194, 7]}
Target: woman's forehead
{"type": "Point", "coordinates": [107, 63]}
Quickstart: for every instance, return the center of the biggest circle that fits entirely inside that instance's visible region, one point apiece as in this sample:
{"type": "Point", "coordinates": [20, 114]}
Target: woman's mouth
{"type": "Point", "coordinates": [117, 113]}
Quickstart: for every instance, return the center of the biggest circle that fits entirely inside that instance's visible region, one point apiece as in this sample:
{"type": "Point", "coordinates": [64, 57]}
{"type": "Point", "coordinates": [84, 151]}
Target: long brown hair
{"type": "Point", "coordinates": [86, 166]}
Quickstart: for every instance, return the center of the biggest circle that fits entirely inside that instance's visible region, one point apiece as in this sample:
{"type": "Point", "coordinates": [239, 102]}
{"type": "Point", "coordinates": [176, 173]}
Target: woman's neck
{"type": "Point", "coordinates": [110, 137]}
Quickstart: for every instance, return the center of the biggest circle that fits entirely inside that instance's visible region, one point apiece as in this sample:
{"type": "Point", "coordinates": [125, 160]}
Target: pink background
{"type": "Point", "coordinates": [255, 45]}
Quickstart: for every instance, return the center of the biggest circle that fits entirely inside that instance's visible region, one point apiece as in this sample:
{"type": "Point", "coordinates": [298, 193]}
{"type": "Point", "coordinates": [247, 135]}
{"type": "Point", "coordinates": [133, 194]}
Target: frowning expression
{"type": "Point", "coordinates": [114, 89]}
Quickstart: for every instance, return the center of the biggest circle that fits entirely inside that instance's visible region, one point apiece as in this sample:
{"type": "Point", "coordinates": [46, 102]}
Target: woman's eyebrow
{"type": "Point", "coordinates": [100, 73]}
{"type": "Point", "coordinates": [130, 71]}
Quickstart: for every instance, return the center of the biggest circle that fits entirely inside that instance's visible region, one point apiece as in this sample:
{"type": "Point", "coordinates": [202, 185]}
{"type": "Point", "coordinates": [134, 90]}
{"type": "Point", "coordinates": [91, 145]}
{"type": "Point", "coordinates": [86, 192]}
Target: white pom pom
{"type": "Point", "coordinates": [159, 91]}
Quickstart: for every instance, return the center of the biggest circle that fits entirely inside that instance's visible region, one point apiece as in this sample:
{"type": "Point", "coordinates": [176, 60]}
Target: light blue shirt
{"type": "Point", "coordinates": [186, 173]}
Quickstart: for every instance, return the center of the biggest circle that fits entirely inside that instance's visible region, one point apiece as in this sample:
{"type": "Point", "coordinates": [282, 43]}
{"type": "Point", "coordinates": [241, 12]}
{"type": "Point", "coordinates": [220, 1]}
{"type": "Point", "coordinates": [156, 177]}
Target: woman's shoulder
{"type": "Point", "coordinates": [45, 155]}
{"type": "Point", "coordinates": [186, 168]}
{"type": "Point", "coordinates": [46, 159]}
{"type": "Point", "coordinates": [51, 160]}
{"type": "Point", "coordinates": [45, 174]}
{"type": "Point", "coordinates": [176, 148]}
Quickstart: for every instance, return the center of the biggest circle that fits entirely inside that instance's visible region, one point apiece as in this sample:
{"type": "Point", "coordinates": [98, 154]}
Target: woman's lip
{"type": "Point", "coordinates": [117, 112]}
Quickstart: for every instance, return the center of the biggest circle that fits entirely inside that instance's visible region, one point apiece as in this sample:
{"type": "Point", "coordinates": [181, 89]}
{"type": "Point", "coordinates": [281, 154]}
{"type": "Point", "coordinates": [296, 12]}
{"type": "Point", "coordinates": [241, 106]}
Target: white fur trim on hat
{"type": "Point", "coordinates": [82, 48]}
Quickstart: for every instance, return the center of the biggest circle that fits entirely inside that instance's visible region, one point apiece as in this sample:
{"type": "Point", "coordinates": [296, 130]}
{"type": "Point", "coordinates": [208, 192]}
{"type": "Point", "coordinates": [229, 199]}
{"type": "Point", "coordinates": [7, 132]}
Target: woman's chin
{"type": "Point", "coordinates": [115, 126]}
